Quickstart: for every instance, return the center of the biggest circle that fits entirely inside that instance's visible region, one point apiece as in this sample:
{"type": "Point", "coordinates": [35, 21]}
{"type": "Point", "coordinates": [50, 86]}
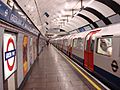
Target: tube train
{"type": "Point", "coordinates": [98, 51]}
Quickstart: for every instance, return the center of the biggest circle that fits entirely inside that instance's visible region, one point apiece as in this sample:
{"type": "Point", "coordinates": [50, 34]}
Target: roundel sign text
{"type": "Point", "coordinates": [9, 55]}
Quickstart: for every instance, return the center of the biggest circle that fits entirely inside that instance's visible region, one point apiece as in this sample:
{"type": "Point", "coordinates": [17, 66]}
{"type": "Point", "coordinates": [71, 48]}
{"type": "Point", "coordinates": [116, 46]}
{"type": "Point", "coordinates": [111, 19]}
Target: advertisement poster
{"type": "Point", "coordinates": [25, 51]}
{"type": "Point", "coordinates": [9, 55]}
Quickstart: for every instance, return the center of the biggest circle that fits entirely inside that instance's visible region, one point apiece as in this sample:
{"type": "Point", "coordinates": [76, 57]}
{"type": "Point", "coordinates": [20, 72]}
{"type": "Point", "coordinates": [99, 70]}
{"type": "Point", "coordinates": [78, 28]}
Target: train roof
{"type": "Point", "coordinates": [83, 34]}
{"type": "Point", "coordinates": [110, 30]}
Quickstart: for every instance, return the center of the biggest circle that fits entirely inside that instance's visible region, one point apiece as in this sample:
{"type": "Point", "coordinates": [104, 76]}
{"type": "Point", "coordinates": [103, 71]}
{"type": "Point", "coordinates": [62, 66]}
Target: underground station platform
{"type": "Point", "coordinates": [55, 71]}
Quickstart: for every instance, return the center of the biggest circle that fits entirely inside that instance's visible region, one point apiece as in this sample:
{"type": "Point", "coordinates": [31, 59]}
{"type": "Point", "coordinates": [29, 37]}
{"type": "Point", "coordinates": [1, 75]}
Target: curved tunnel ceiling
{"type": "Point", "coordinates": [117, 1]}
{"type": "Point", "coordinates": [99, 15]}
{"type": "Point", "coordinates": [102, 10]}
{"type": "Point", "coordinates": [112, 4]}
{"type": "Point", "coordinates": [76, 22]}
{"type": "Point", "coordinates": [97, 10]}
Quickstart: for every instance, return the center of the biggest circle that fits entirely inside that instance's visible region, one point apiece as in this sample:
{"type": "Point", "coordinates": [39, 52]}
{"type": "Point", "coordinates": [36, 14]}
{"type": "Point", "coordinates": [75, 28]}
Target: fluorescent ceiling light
{"type": "Point", "coordinates": [20, 13]}
{"type": "Point", "coordinates": [62, 11]}
{"type": "Point", "coordinates": [30, 8]}
{"type": "Point", "coordinates": [59, 15]}
{"type": "Point", "coordinates": [55, 35]}
{"type": "Point", "coordinates": [16, 7]}
{"type": "Point", "coordinates": [24, 17]}
{"type": "Point", "coordinates": [88, 3]}
{"type": "Point", "coordinates": [66, 5]}
{"type": "Point", "coordinates": [85, 6]}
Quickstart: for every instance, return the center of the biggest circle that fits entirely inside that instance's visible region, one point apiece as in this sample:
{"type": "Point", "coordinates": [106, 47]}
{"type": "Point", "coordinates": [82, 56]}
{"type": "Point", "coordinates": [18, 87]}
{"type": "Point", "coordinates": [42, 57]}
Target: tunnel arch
{"type": "Point", "coordinates": [112, 4]}
{"type": "Point", "coordinates": [99, 15]}
{"type": "Point", "coordinates": [88, 19]}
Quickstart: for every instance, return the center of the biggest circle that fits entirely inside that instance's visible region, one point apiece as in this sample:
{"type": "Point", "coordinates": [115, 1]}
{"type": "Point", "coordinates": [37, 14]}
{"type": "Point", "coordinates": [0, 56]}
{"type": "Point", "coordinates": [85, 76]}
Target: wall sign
{"type": "Point", "coordinates": [4, 11]}
{"type": "Point", "coordinates": [9, 54]}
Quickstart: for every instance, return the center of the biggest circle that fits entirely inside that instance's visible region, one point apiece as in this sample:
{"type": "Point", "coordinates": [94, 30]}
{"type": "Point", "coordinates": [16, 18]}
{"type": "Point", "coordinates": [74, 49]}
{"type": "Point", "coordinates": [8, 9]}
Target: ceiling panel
{"type": "Point", "coordinates": [89, 15]}
{"type": "Point", "coordinates": [118, 1]}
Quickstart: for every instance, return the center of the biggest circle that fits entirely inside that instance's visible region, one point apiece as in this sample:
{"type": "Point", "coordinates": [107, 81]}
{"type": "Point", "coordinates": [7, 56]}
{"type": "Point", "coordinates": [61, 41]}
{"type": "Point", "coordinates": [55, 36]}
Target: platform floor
{"type": "Point", "coordinates": [53, 72]}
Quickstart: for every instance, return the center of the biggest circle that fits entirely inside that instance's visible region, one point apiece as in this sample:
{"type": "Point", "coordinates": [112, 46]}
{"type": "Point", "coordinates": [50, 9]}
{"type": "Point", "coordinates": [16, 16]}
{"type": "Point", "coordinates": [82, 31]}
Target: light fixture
{"type": "Point", "coordinates": [16, 7]}
{"type": "Point", "coordinates": [62, 11]}
{"type": "Point", "coordinates": [84, 7]}
{"type": "Point", "coordinates": [76, 13]}
{"type": "Point", "coordinates": [46, 14]}
{"type": "Point", "coordinates": [24, 17]}
{"type": "Point", "coordinates": [66, 5]}
{"type": "Point", "coordinates": [88, 3]}
{"type": "Point", "coordinates": [59, 15]}
{"type": "Point", "coordinates": [28, 6]}
{"type": "Point", "coordinates": [32, 9]}
{"type": "Point", "coordinates": [20, 13]}
{"type": "Point", "coordinates": [55, 35]}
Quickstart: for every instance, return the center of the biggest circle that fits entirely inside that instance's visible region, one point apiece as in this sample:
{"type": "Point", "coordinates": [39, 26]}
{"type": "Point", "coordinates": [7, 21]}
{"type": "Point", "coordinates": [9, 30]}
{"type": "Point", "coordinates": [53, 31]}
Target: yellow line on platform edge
{"type": "Point", "coordinates": [97, 87]}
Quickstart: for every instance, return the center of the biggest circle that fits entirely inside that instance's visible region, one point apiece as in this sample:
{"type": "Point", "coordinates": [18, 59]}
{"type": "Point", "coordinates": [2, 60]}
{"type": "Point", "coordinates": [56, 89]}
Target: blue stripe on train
{"type": "Point", "coordinates": [112, 79]}
{"type": "Point", "coordinates": [65, 51]}
{"type": "Point", "coordinates": [78, 59]}
{"type": "Point", "coordinates": [104, 75]}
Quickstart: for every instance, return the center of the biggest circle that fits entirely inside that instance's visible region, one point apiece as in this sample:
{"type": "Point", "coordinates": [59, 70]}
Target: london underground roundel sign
{"type": "Point", "coordinates": [9, 54]}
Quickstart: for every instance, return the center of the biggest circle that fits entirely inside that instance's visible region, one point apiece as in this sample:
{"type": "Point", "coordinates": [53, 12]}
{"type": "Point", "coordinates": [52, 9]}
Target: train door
{"type": "Point", "coordinates": [88, 51]}
{"type": "Point", "coordinates": [71, 46]}
{"type": "Point", "coordinates": [74, 45]}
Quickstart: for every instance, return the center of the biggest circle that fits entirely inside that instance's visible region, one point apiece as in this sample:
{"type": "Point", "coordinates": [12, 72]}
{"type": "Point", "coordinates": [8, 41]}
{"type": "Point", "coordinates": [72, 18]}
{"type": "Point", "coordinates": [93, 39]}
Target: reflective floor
{"type": "Point", "coordinates": [53, 72]}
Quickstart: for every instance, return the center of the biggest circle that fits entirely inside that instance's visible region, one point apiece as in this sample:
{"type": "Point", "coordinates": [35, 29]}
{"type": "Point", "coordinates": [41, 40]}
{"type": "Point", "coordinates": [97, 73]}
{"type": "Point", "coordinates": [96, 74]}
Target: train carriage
{"type": "Point", "coordinates": [98, 51]}
{"type": "Point", "coordinates": [107, 55]}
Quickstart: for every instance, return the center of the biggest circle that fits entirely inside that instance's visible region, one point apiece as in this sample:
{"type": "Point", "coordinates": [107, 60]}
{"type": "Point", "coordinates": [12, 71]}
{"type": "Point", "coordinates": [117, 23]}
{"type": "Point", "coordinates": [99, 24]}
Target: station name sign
{"type": "Point", "coordinates": [13, 17]}
{"type": "Point", "coordinates": [16, 20]}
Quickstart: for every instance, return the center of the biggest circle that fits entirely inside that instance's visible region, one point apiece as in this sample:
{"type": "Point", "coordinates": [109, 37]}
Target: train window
{"type": "Point", "coordinates": [75, 43]}
{"type": "Point", "coordinates": [80, 43]}
{"type": "Point", "coordinates": [66, 43]}
{"type": "Point", "coordinates": [104, 46]}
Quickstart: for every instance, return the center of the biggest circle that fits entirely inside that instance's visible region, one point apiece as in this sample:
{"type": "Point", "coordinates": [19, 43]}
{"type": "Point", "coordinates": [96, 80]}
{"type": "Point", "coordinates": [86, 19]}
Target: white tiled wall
{"type": "Point", "coordinates": [20, 59]}
{"type": "Point", "coordinates": [1, 72]}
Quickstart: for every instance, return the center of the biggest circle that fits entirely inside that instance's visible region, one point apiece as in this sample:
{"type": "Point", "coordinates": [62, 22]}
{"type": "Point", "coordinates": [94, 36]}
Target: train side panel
{"type": "Point", "coordinates": [106, 63]}
{"type": "Point", "coordinates": [78, 50]}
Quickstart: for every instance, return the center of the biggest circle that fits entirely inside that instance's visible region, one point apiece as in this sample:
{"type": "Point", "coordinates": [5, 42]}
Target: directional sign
{"type": "Point", "coordinates": [9, 54]}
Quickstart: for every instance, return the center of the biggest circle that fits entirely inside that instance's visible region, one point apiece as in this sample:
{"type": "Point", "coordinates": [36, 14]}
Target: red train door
{"type": "Point", "coordinates": [88, 51]}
